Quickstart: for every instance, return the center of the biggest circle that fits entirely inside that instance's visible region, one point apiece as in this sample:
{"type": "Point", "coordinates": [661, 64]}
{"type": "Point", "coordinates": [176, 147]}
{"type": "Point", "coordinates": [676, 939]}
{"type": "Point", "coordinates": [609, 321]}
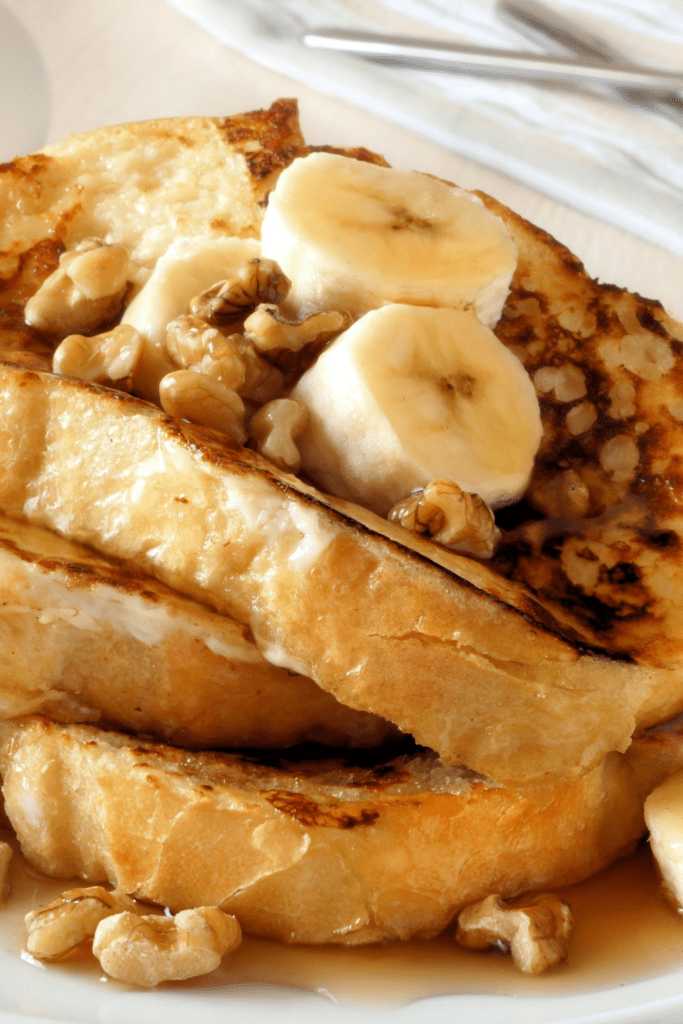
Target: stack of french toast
{"type": "Point", "coordinates": [290, 663]}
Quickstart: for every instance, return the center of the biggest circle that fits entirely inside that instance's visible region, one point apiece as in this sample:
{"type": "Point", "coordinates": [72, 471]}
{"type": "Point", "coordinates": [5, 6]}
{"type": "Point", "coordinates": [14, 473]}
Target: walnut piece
{"type": "Point", "coordinates": [83, 293]}
{"type": "Point", "coordinates": [187, 338]}
{"type": "Point", "coordinates": [262, 382]}
{"type": "Point", "coordinates": [275, 427]}
{"type": "Point", "coordinates": [272, 332]}
{"type": "Point", "coordinates": [147, 950]}
{"type": "Point", "coordinates": [57, 929]}
{"type": "Point", "coordinates": [199, 398]}
{"type": "Point", "coordinates": [461, 521]}
{"type": "Point", "coordinates": [192, 343]}
{"type": "Point", "coordinates": [535, 930]}
{"type": "Point", "coordinates": [257, 281]}
{"type": "Point", "coordinates": [105, 358]}
{"type": "Point", "coordinates": [5, 858]}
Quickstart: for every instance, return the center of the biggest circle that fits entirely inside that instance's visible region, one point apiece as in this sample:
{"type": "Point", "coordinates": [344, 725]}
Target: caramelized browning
{"type": "Point", "coordinates": [608, 477]}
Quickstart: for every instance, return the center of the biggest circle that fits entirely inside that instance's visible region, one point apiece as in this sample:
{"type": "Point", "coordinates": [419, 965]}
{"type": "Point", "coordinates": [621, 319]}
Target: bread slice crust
{"type": "Point", "coordinates": [88, 639]}
{"type": "Point", "coordinates": [607, 553]}
{"type": "Point", "coordinates": [446, 650]}
{"type": "Point", "coordinates": [313, 852]}
{"type": "Point", "coordinates": [536, 664]}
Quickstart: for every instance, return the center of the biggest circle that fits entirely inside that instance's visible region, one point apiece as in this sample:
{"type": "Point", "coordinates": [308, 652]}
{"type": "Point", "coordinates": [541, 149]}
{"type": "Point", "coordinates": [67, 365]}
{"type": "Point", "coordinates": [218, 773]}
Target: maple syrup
{"type": "Point", "coordinates": [624, 932]}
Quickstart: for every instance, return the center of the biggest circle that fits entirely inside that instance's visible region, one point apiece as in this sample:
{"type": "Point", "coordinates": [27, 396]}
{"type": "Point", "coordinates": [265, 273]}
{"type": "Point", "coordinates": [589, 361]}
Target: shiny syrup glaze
{"type": "Point", "coordinates": [624, 932]}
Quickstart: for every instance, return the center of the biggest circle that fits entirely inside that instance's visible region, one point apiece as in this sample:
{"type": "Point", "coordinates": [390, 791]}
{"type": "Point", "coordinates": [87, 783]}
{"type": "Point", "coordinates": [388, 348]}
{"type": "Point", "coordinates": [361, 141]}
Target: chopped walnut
{"type": "Point", "coordinates": [262, 382]}
{"type": "Point", "coordinates": [5, 858]}
{"type": "Point", "coordinates": [192, 344]}
{"type": "Point", "coordinates": [259, 280]}
{"type": "Point", "coordinates": [57, 929]}
{"type": "Point", "coordinates": [193, 396]}
{"type": "Point", "coordinates": [271, 332]}
{"type": "Point", "coordinates": [83, 293]}
{"type": "Point", "coordinates": [275, 428]}
{"type": "Point", "coordinates": [98, 270]}
{"type": "Point", "coordinates": [461, 521]}
{"type": "Point", "coordinates": [105, 358]}
{"type": "Point", "coordinates": [185, 339]}
{"type": "Point", "coordinates": [535, 930]}
{"type": "Point", "coordinates": [147, 950]}
{"type": "Point", "coordinates": [561, 496]}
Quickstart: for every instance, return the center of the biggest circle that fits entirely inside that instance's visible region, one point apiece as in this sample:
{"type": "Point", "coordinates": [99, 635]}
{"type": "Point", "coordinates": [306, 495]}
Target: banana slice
{"type": "Point", "coordinates": [664, 818]}
{"type": "Point", "coordinates": [188, 267]}
{"type": "Point", "coordinates": [410, 394]}
{"type": "Point", "coordinates": [354, 236]}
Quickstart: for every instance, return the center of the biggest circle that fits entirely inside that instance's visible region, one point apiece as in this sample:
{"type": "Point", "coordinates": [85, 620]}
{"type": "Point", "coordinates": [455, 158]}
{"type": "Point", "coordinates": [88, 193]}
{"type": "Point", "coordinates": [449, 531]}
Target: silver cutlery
{"type": "Point", "coordinates": [430, 55]}
{"type": "Point", "coordinates": [545, 27]}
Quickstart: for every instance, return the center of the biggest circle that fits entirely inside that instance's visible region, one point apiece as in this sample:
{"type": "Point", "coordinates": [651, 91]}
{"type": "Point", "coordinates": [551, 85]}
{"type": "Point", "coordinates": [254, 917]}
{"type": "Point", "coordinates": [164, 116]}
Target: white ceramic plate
{"type": "Point", "coordinates": [25, 107]}
{"type": "Point", "coordinates": [264, 982]}
{"type": "Point", "coordinates": [415, 983]}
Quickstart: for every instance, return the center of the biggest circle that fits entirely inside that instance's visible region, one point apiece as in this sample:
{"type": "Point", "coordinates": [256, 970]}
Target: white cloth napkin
{"type": "Point", "coordinates": [586, 149]}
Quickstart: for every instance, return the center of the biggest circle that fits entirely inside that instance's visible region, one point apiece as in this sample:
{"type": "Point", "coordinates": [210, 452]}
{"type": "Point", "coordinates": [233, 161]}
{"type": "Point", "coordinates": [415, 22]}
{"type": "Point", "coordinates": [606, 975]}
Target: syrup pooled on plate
{"type": "Point", "coordinates": [624, 932]}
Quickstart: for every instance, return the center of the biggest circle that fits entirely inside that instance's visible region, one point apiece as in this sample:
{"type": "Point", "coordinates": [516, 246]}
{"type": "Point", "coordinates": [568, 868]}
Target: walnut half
{"type": "Point", "coordinates": [83, 293]}
{"type": "Point", "coordinates": [535, 929]}
{"type": "Point", "coordinates": [201, 399]}
{"type": "Point", "coordinates": [274, 430]}
{"type": "Point", "coordinates": [63, 925]}
{"type": "Point", "coordinates": [108, 358]}
{"type": "Point", "coordinates": [146, 950]}
{"type": "Point", "coordinates": [272, 332]}
{"type": "Point", "coordinates": [259, 280]}
{"type": "Point", "coordinates": [451, 516]}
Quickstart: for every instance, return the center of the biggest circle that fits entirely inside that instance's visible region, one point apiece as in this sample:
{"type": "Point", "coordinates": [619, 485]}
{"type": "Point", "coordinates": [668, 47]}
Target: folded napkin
{"type": "Point", "coordinates": [585, 148]}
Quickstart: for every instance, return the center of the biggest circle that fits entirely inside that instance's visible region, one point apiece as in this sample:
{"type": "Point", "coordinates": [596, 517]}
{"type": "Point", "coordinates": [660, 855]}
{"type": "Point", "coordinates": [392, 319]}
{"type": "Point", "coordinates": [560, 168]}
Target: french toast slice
{"type": "Point", "coordinates": [540, 662]}
{"type": "Point", "coordinates": [87, 639]}
{"type": "Point", "coordinates": [438, 643]}
{"type": "Point", "coordinates": [154, 181]}
{"type": "Point", "coordinates": [313, 851]}
{"type": "Point", "coordinates": [601, 545]}
{"type": "Point", "coordinates": [143, 185]}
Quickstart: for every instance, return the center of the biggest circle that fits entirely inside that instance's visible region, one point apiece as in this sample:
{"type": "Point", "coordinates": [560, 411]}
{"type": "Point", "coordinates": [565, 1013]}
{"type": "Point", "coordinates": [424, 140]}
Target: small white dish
{"type": "Point", "coordinates": [25, 109]}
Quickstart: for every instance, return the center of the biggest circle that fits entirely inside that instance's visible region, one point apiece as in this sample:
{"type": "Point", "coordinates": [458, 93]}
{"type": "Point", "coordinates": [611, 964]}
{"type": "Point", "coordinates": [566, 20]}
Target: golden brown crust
{"type": "Point", "coordinates": [268, 139]}
{"type": "Point", "coordinates": [88, 639]}
{"type": "Point", "coordinates": [131, 183]}
{"type": "Point", "coordinates": [402, 846]}
{"type": "Point", "coordinates": [440, 649]}
{"type": "Point", "coordinates": [614, 420]}
{"type": "Point", "coordinates": [577, 631]}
